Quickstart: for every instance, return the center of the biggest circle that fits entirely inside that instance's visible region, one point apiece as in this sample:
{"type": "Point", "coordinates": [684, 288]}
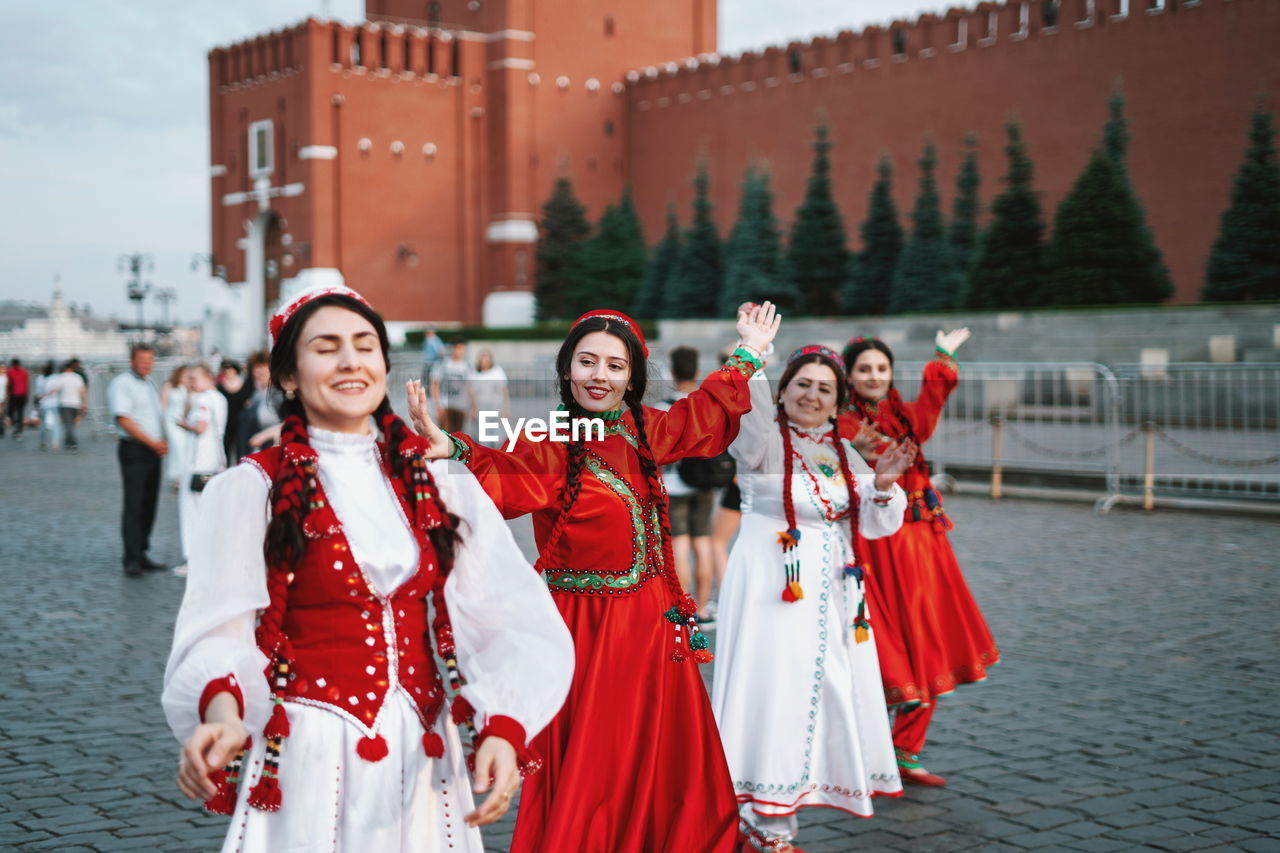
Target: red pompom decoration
{"type": "Point", "coordinates": [787, 594]}
{"type": "Point", "coordinates": [372, 748]}
{"type": "Point", "coordinates": [703, 656]}
{"type": "Point", "coordinates": [223, 802]}
{"type": "Point", "coordinates": [687, 606]}
{"type": "Point", "coordinates": [266, 795]}
{"type": "Point", "coordinates": [278, 725]}
{"type": "Point", "coordinates": [433, 745]}
{"type": "Point", "coordinates": [461, 710]}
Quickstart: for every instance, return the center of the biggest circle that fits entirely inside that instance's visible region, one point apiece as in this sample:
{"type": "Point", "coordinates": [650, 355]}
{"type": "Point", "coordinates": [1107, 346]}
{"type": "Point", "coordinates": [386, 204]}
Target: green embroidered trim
{"type": "Point", "coordinates": [745, 354]}
{"type": "Point", "coordinates": [742, 362]}
{"type": "Point", "coordinates": [576, 411]}
{"type": "Point", "coordinates": [461, 450]}
{"type": "Point", "coordinates": [571, 581]}
{"type": "Point", "coordinates": [947, 358]}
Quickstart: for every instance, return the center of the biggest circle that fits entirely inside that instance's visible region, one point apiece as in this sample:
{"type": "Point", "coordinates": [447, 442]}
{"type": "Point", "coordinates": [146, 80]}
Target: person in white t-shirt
{"type": "Point", "coordinates": [489, 388]}
{"type": "Point", "coordinates": [204, 421]}
{"type": "Point", "coordinates": [47, 403]}
{"type": "Point", "coordinates": [69, 390]}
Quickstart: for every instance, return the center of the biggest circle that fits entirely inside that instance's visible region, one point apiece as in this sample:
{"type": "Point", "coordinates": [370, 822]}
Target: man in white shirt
{"type": "Point", "coordinates": [72, 399]}
{"type": "Point", "coordinates": [135, 406]}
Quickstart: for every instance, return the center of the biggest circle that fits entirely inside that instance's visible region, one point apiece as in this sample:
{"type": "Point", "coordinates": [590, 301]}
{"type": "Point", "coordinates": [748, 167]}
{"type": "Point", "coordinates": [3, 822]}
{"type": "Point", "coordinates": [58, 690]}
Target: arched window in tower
{"type": "Point", "coordinates": [335, 48]}
{"type": "Point", "coordinates": [406, 60]}
{"type": "Point", "coordinates": [431, 54]}
{"type": "Point", "coordinates": [793, 61]}
{"type": "Point", "coordinates": [608, 26]}
{"type": "Point", "coordinates": [357, 53]}
{"type": "Point", "coordinates": [455, 60]}
{"type": "Point", "coordinates": [384, 61]}
{"type": "Point", "coordinates": [433, 15]}
{"type": "Point", "coordinates": [899, 42]}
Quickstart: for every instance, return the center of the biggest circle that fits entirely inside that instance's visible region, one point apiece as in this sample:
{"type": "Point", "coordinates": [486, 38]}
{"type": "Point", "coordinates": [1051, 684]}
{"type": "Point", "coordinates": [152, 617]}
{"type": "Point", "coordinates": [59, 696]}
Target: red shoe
{"type": "Point", "coordinates": [922, 777]}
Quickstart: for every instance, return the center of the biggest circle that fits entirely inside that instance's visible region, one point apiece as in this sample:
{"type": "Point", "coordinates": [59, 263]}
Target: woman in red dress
{"type": "Point", "coordinates": [930, 634]}
{"type": "Point", "coordinates": [633, 761]}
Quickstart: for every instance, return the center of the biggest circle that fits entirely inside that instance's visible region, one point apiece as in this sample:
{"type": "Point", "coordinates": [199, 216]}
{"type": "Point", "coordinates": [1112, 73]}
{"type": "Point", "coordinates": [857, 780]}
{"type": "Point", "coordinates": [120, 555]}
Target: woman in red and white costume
{"type": "Point", "coordinates": [327, 563]}
{"type": "Point", "coordinates": [634, 762]}
{"type": "Point", "coordinates": [797, 686]}
{"type": "Point", "coordinates": [930, 633]}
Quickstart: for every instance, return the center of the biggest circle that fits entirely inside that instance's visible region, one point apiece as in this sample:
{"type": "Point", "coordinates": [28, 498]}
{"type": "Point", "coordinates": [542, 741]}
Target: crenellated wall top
{"type": "Point", "coordinates": [984, 26]}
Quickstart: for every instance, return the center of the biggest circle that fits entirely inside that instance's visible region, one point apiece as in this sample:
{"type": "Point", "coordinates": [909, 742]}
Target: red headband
{"type": "Point", "coordinates": [285, 314]}
{"type": "Point", "coordinates": [811, 349]}
{"type": "Point", "coordinates": [621, 318]}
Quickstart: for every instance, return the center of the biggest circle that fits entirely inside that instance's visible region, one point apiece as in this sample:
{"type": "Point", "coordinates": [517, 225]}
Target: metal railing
{"type": "Point", "coordinates": [1129, 432]}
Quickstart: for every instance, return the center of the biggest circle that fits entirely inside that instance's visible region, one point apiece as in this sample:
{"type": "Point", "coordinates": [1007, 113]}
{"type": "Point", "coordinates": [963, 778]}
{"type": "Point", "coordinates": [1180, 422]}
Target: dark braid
{"type": "Point", "coordinates": [568, 497]}
{"type": "Point", "coordinates": [395, 433]}
{"type": "Point", "coordinates": [658, 495]}
{"type": "Point", "coordinates": [851, 485]}
{"type": "Point", "coordinates": [290, 494]}
{"type": "Point", "coordinates": [787, 502]}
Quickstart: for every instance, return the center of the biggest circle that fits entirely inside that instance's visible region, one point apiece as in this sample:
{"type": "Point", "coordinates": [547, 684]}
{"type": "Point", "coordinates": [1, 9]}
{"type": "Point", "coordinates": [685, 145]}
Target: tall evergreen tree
{"type": "Point", "coordinates": [1245, 260]}
{"type": "Point", "coordinates": [926, 279]}
{"type": "Point", "coordinates": [963, 235]}
{"type": "Point", "coordinates": [1008, 267]}
{"type": "Point", "coordinates": [694, 287]}
{"type": "Point", "coordinates": [607, 269]}
{"type": "Point", "coordinates": [564, 224]}
{"type": "Point", "coordinates": [817, 255]}
{"type": "Point", "coordinates": [648, 304]}
{"type": "Point", "coordinates": [870, 282]}
{"type": "Point", "coordinates": [1102, 251]}
{"type": "Point", "coordinates": [753, 269]}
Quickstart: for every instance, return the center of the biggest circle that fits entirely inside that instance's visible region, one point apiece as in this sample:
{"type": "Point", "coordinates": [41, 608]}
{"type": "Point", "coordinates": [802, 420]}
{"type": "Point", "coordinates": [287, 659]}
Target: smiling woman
{"type": "Point", "coordinates": [335, 562]}
{"type": "Point", "coordinates": [600, 519]}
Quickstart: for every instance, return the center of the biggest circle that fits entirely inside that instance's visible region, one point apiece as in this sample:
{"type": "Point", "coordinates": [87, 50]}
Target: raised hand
{"type": "Point", "coordinates": [867, 440]}
{"type": "Point", "coordinates": [441, 446]}
{"type": "Point", "coordinates": [949, 342]}
{"type": "Point", "coordinates": [757, 325]}
{"type": "Point", "coordinates": [893, 463]}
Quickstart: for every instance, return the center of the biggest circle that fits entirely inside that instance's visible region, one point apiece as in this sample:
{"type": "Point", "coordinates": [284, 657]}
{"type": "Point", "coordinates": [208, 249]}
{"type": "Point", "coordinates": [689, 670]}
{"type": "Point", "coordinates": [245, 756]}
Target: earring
{"type": "Point", "coordinates": [288, 395]}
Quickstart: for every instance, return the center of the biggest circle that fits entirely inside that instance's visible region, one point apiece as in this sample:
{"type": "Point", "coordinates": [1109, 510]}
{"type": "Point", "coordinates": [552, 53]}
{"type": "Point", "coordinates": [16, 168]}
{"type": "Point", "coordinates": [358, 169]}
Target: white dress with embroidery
{"type": "Point", "coordinates": [512, 646]}
{"type": "Point", "coordinates": [798, 699]}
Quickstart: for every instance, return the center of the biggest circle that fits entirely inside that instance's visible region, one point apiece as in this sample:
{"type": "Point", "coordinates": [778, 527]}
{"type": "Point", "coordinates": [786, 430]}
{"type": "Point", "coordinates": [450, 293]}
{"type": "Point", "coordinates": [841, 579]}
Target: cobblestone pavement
{"type": "Point", "coordinates": [1135, 708]}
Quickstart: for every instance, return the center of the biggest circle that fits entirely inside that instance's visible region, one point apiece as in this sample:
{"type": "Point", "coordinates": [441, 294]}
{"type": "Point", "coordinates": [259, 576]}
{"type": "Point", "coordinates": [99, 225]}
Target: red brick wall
{"type": "Point", "coordinates": [1191, 75]}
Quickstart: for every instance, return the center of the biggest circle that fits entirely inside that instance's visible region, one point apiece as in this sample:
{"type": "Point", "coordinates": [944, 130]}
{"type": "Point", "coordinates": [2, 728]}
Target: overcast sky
{"type": "Point", "coordinates": [104, 129]}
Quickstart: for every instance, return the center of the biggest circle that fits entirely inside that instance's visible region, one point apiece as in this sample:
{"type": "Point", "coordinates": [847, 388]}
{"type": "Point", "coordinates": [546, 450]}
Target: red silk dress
{"type": "Point", "coordinates": [633, 761]}
{"type": "Point", "coordinates": [930, 634]}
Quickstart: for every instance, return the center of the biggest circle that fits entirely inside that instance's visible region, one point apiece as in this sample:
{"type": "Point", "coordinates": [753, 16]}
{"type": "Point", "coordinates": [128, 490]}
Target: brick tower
{"type": "Point", "coordinates": [409, 156]}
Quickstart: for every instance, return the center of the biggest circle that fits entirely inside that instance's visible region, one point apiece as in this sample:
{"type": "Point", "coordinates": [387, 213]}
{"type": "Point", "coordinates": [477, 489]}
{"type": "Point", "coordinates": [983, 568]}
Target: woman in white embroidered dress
{"type": "Point", "coordinates": [350, 748]}
{"type": "Point", "coordinates": [204, 420]}
{"type": "Point", "coordinates": [797, 685]}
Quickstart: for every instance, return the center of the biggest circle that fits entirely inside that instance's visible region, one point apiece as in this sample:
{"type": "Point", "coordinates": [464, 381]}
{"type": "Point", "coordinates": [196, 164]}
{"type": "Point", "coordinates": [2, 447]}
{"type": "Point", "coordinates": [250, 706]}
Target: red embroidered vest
{"type": "Point", "coordinates": [351, 645]}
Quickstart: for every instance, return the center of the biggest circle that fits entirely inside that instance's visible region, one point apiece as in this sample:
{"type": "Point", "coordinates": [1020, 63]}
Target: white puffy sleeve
{"type": "Point", "coordinates": [879, 513]}
{"type": "Point", "coordinates": [514, 650]}
{"type": "Point", "coordinates": [758, 446]}
{"type": "Point", "coordinates": [213, 639]}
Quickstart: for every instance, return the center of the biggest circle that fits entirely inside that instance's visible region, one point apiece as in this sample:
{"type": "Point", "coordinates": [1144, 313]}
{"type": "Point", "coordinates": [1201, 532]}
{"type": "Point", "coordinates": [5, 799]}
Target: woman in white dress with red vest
{"type": "Point", "coordinates": [324, 573]}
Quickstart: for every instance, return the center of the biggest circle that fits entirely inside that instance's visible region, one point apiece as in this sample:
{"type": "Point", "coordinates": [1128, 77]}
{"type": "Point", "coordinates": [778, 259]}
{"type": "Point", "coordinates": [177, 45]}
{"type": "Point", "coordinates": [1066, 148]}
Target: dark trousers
{"type": "Point", "coordinates": [69, 414]}
{"type": "Point", "coordinates": [17, 408]}
{"type": "Point", "coordinates": [140, 471]}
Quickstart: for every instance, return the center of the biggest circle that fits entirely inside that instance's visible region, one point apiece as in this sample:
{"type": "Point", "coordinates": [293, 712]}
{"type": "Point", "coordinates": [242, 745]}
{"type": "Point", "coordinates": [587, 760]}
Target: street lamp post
{"type": "Point", "coordinates": [135, 265]}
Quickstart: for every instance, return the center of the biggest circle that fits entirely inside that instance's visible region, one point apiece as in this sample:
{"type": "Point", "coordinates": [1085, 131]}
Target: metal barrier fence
{"type": "Point", "coordinates": [1130, 432]}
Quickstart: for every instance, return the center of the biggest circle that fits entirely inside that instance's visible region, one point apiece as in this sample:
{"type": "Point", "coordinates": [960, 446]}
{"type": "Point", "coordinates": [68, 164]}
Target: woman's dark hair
{"type": "Point", "coordinates": [858, 346]}
{"type": "Point", "coordinates": [842, 384]}
{"type": "Point", "coordinates": [285, 540]}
